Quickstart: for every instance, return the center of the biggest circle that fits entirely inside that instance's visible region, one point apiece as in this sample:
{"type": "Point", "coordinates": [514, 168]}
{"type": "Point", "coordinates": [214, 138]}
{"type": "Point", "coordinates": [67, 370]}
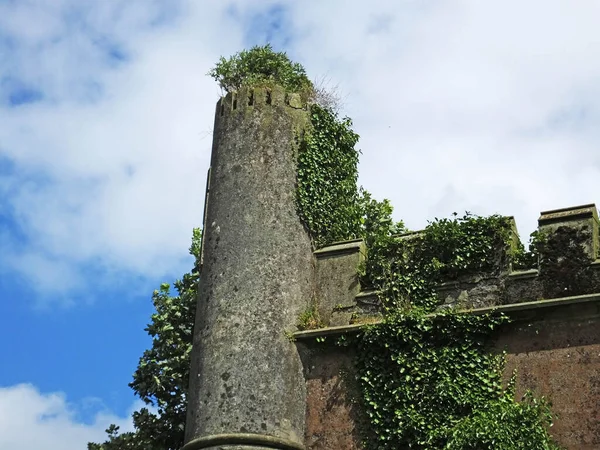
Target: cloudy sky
{"type": "Point", "coordinates": [105, 134]}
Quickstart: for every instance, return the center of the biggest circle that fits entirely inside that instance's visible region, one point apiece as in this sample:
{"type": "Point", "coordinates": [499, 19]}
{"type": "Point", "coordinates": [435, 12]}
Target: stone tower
{"type": "Point", "coordinates": [247, 388]}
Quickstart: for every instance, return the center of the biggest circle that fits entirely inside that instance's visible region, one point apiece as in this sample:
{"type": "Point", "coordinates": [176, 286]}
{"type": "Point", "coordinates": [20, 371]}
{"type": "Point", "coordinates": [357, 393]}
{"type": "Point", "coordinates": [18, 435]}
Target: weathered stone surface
{"type": "Point", "coordinates": [295, 101]}
{"type": "Point", "coordinates": [247, 386]}
{"type": "Point", "coordinates": [570, 248]}
{"type": "Point", "coordinates": [257, 276]}
{"type": "Point", "coordinates": [583, 217]}
{"type": "Point", "coordinates": [567, 268]}
{"type": "Point", "coordinates": [337, 280]}
{"type": "Point", "coordinates": [557, 354]}
{"type": "Point", "coordinates": [473, 291]}
{"type": "Point", "coordinates": [554, 345]}
{"type": "Point", "coordinates": [334, 417]}
{"type": "Point", "coordinates": [522, 286]}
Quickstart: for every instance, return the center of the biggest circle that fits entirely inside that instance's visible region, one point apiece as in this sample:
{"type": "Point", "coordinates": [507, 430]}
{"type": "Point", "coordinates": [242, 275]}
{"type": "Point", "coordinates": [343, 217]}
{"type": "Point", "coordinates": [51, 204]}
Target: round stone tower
{"type": "Point", "coordinates": [247, 388]}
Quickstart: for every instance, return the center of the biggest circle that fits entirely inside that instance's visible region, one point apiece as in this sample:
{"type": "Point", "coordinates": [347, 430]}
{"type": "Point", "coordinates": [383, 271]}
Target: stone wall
{"type": "Point", "coordinates": [333, 412]}
{"type": "Point", "coordinates": [554, 345]}
{"type": "Point", "coordinates": [557, 355]}
{"type": "Point", "coordinates": [569, 267]}
{"type": "Point", "coordinates": [553, 340]}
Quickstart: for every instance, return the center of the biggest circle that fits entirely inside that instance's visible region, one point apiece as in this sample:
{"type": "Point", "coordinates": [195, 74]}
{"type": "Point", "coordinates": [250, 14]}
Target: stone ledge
{"type": "Point", "coordinates": [517, 311]}
{"type": "Point", "coordinates": [520, 274]}
{"type": "Point", "coordinates": [244, 439]}
{"type": "Point", "coordinates": [568, 214]}
{"type": "Point", "coordinates": [340, 248]}
{"type": "Point", "coordinates": [368, 297]}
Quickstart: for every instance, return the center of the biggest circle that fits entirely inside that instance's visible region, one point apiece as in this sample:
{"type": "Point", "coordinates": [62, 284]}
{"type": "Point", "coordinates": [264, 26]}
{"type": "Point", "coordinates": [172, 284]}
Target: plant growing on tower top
{"type": "Point", "coordinates": [260, 66]}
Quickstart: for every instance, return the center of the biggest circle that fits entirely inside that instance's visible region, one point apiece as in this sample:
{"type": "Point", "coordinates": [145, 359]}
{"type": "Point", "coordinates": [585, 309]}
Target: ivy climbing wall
{"type": "Point", "coordinates": [556, 353]}
{"type": "Point", "coordinates": [452, 337]}
{"type": "Point", "coordinates": [546, 334]}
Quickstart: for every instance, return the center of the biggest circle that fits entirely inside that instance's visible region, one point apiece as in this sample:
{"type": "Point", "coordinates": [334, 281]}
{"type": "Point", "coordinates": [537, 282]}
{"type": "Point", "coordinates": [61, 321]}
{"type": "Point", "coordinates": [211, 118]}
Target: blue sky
{"type": "Point", "coordinates": [105, 135]}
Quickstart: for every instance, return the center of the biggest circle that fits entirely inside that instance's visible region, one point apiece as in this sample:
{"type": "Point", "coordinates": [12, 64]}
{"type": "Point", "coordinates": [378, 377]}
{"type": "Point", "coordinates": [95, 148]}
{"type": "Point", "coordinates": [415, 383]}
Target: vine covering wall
{"type": "Point", "coordinates": [427, 378]}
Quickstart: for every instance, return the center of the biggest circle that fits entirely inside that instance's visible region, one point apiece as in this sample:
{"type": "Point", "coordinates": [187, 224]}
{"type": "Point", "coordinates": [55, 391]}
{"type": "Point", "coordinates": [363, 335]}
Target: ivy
{"type": "Point", "coordinates": [327, 198]}
{"type": "Point", "coordinates": [529, 259]}
{"type": "Point", "coordinates": [429, 379]}
{"type": "Point", "coordinates": [420, 376]}
{"type": "Point", "coordinates": [405, 269]}
{"type": "Point", "coordinates": [564, 265]}
{"type": "Point", "coordinates": [500, 425]}
{"type": "Point", "coordinates": [430, 382]}
{"type": "Point", "coordinates": [561, 259]}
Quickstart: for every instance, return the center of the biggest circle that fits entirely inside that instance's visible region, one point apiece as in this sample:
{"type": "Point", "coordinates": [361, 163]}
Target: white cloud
{"type": "Point", "coordinates": [30, 420]}
{"type": "Point", "coordinates": [115, 178]}
{"type": "Point", "coordinates": [466, 105]}
{"type": "Point", "coordinates": [480, 106]}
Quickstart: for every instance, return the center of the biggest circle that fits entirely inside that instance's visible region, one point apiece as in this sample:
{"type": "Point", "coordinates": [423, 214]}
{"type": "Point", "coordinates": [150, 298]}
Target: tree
{"type": "Point", "coordinates": [161, 378]}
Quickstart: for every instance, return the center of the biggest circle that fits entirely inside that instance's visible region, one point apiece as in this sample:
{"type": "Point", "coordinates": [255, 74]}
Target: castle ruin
{"type": "Point", "coordinates": [252, 387]}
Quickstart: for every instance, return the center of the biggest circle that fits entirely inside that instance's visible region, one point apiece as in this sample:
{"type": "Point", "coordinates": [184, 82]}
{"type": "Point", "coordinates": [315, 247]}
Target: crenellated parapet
{"type": "Point", "coordinates": [256, 383]}
{"type": "Point", "coordinates": [567, 265]}
{"type": "Point", "coordinates": [551, 344]}
{"type": "Point", "coordinates": [248, 98]}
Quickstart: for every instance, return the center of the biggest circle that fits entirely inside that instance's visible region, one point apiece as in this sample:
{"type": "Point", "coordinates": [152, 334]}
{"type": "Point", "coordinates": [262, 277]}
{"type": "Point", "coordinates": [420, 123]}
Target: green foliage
{"type": "Point", "coordinates": [406, 269]}
{"type": "Point", "coordinates": [309, 319]}
{"type": "Point", "coordinates": [260, 66]}
{"type": "Point", "coordinates": [326, 196]}
{"type": "Point", "coordinates": [564, 265]}
{"type": "Point", "coordinates": [329, 203]}
{"type": "Point", "coordinates": [466, 244]}
{"type": "Point", "coordinates": [430, 382]}
{"type": "Point", "coordinates": [428, 379]}
{"type": "Point", "coordinates": [376, 220]}
{"type": "Point", "coordinates": [505, 425]}
{"type": "Point", "coordinates": [116, 441]}
{"type": "Point", "coordinates": [422, 374]}
{"type": "Point", "coordinates": [161, 378]}
{"type": "Point", "coordinates": [529, 259]}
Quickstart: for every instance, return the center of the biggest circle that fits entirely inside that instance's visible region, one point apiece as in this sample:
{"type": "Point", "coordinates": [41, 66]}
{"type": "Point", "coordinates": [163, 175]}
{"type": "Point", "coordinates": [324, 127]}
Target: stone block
{"type": "Point", "coordinates": [583, 219]}
{"type": "Point", "coordinates": [337, 280]}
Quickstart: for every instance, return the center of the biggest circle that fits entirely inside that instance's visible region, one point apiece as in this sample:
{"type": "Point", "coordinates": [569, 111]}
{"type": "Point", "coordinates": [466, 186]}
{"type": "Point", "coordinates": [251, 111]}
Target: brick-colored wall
{"type": "Point", "coordinates": [333, 417]}
{"type": "Point", "coordinates": [560, 359]}
{"type": "Point", "coordinates": [556, 351]}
